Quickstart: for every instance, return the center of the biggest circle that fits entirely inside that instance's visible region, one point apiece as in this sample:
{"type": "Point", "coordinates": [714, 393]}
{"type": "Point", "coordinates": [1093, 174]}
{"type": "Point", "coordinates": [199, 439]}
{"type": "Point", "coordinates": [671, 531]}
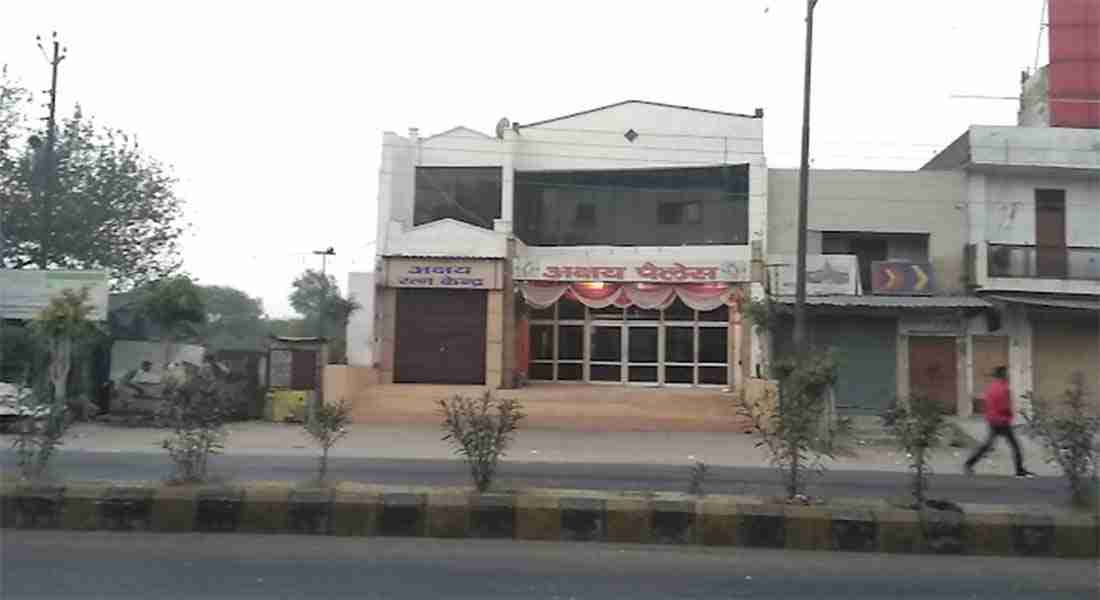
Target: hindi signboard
{"type": "Point", "coordinates": [826, 274]}
{"type": "Point", "coordinates": [24, 293]}
{"type": "Point", "coordinates": [621, 269]}
{"type": "Point", "coordinates": [451, 273]}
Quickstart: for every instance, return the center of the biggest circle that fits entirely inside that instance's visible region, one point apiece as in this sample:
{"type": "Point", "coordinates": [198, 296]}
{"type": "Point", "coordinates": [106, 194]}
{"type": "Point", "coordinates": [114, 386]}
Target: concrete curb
{"type": "Point", "coordinates": [352, 509]}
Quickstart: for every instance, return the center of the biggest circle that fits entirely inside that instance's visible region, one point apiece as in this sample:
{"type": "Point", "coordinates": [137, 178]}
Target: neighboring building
{"type": "Point", "coordinates": [1033, 221]}
{"type": "Point", "coordinates": [606, 246]}
{"type": "Point", "coordinates": [885, 284]}
{"type": "Point", "coordinates": [1066, 92]}
{"type": "Point", "coordinates": [1033, 218]}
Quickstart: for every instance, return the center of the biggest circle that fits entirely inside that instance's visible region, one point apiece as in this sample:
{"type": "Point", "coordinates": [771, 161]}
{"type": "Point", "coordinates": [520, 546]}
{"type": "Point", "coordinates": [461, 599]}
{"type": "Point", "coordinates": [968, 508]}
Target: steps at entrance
{"type": "Point", "coordinates": [565, 407]}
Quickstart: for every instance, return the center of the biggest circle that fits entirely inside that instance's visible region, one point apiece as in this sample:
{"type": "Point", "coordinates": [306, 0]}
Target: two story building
{"type": "Point", "coordinates": [885, 283]}
{"type": "Point", "coordinates": [1033, 235]}
{"type": "Point", "coordinates": [607, 246]}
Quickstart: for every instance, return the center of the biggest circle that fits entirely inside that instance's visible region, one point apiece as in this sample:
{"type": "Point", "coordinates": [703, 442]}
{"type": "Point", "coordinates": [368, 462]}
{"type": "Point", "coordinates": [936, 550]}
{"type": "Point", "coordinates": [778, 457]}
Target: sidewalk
{"type": "Point", "coordinates": [537, 445]}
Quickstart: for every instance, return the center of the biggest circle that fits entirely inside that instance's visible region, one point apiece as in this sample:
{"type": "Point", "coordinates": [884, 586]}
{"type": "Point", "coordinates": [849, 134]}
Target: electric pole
{"type": "Point", "coordinates": [800, 342]}
{"type": "Point", "coordinates": [324, 254]}
{"type": "Point", "coordinates": [46, 163]}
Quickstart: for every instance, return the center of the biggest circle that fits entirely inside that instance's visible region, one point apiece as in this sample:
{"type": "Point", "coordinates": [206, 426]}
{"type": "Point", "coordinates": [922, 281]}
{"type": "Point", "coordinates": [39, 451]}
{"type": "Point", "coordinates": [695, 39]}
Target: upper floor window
{"type": "Point", "coordinates": [635, 207]}
{"type": "Point", "coordinates": [468, 194]}
{"type": "Point", "coordinates": [872, 247]}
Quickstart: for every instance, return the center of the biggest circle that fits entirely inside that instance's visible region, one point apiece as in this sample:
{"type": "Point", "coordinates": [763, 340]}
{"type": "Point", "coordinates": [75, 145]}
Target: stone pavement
{"type": "Point", "coordinates": [537, 445]}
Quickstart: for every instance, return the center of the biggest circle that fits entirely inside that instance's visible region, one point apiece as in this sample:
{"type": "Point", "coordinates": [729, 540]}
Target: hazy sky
{"type": "Point", "coordinates": [271, 112]}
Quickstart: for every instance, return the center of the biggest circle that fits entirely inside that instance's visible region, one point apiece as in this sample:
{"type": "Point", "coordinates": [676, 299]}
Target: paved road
{"type": "Point", "coordinates": [121, 566]}
{"type": "Point", "coordinates": [733, 480]}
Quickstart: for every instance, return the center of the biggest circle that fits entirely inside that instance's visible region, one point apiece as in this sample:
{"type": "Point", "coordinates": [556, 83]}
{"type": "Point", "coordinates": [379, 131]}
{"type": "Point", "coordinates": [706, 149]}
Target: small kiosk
{"type": "Point", "coordinates": [294, 367]}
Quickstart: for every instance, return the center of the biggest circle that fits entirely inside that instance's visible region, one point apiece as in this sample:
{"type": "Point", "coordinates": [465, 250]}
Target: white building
{"type": "Point", "coordinates": [607, 246]}
{"type": "Point", "coordinates": [1033, 222]}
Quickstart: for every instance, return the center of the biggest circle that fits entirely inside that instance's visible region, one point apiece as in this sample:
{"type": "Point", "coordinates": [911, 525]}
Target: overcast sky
{"type": "Point", "coordinates": [271, 113]}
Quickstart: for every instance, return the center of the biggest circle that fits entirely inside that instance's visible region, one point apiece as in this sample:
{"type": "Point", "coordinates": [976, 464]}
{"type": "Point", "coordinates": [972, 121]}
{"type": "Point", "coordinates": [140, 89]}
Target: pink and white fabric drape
{"type": "Point", "coordinates": [649, 296]}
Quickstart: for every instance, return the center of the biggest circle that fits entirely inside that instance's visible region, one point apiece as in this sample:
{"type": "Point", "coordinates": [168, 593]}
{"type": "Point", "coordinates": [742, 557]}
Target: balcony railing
{"type": "Point", "coordinates": [1044, 262]}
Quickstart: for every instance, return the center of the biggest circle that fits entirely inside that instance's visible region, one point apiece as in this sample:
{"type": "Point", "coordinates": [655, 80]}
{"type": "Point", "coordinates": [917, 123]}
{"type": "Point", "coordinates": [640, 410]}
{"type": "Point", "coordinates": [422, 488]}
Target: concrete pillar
{"type": "Point", "coordinates": [903, 385]}
{"type": "Point", "coordinates": [758, 354]}
{"type": "Point", "coordinates": [494, 340]}
{"type": "Point", "coordinates": [1020, 363]}
{"type": "Point", "coordinates": [388, 334]}
{"type": "Point", "coordinates": [507, 184]}
{"type": "Point", "coordinates": [735, 378]}
{"type": "Point", "coordinates": [977, 211]}
{"type": "Point", "coordinates": [510, 326]}
{"type": "Point", "coordinates": [963, 404]}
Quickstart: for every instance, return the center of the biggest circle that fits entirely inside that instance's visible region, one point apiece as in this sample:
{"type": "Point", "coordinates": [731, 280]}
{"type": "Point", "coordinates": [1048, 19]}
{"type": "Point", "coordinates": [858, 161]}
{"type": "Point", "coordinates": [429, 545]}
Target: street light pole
{"type": "Point", "coordinates": [800, 343]}
{"type": "Point", "coordinates": [324, 254]}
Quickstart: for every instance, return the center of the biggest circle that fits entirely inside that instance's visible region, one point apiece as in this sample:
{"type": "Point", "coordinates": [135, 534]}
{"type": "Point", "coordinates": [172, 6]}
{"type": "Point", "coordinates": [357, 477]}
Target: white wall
{"type": "Point", "coordinates": [362, 324]}
{"type": "Point", "coordinates": [1010, 208]}
{"type": "Point", "coordinates": [925, 202]}
{"type": "Point", "coordinates": [668, 137]}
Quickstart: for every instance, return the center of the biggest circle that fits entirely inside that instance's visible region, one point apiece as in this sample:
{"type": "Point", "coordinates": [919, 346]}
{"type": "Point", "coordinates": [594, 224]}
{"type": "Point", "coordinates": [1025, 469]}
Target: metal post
{"type": "Point", "coordinates": [48, 152]}
{"type": "Point", "coordinates": [320, 395]}
{"type": "Point", "coordinates": [800, 341]}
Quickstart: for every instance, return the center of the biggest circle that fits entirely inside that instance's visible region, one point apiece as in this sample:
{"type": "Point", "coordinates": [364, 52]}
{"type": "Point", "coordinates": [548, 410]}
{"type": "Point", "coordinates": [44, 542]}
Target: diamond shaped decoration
{"type": "Point", "coordinates": [630, 135]}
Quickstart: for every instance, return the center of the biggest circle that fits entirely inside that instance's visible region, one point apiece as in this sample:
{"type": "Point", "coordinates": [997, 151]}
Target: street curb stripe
{"type": "Point", "coordinates": [358, 510]}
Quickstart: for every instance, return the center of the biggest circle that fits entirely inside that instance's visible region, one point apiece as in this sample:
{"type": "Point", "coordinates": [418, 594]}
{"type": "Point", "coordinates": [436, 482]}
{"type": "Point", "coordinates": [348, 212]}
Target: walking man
{"type": "Point", "coordinates": [998, 413]}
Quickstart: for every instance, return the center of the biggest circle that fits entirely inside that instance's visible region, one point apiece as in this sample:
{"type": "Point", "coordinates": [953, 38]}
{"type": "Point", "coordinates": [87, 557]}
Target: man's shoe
{"type": "Point", "coordinates": [968, 469]}
{"type": "Point", "coordinates": [1025, 474]}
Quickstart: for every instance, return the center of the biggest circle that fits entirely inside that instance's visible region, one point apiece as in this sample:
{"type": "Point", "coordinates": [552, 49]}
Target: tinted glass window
{"type": "Point", "coordinates": [468, 194]}
{"type": "Point", "coordinates": [644, 207]}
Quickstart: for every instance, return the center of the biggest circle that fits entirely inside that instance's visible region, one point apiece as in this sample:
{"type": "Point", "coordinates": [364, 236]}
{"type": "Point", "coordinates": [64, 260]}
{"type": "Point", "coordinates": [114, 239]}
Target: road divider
{"type": "Point", "coordinates": [358, 510]}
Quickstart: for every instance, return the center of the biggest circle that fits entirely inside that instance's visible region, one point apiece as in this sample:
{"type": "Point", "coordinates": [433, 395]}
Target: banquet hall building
{"type": "Point", "coordinates": [609, 246]}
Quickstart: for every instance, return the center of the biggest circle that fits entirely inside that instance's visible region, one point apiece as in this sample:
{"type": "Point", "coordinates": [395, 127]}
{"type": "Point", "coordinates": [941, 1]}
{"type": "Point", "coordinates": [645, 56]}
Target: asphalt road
{"type": "Point", "coordinates": [38, 564]}
{"type": "Point", "coordinates": [730, 480]}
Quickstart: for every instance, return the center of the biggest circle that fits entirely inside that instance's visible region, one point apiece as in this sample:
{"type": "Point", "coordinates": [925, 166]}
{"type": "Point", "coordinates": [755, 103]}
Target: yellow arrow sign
{"type": "Point", "coordinates": [891, 278]}
{"type": "Point", "coordinates": [922, 278]}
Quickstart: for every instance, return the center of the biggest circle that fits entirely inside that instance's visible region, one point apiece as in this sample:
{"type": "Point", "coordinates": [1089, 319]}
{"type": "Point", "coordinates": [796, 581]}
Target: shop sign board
{"type": "Point", "coordinates": [25, 292]}
{"type": "Point", "coordinates": [631, 270]}
{"type": "Point", "coordinates": [901, 278]}
{"type": "Point", "coordinates": [449, 273]}
{"type": "Point", "coordinates": [826, 275]}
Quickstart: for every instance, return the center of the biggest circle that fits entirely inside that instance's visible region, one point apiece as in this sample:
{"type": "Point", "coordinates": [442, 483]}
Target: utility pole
{"type": "Point", "coordinates": [800, 342]}
{"type": "Point", "coordinates": [324, 254]}
{"type": "Point", "coordinates": [46, 163]}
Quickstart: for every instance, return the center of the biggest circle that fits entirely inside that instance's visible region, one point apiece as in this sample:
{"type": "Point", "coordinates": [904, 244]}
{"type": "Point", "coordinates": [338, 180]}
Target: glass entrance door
{"type": "Point", "coordinates": [606, 353]}
{"type": "Point", "coordinates": [643, 353]}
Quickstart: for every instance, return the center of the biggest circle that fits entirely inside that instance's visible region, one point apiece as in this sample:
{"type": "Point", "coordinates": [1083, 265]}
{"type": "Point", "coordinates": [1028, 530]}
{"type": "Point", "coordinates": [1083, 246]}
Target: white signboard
{"type": "Point", "coordinates": [24, 293]}
{"type": "Point", "coordinates": [452, 273]}
{"type": "Point", "coordinates": [826, 274]}
{"type": "Point", "coordinates": [585, 268]}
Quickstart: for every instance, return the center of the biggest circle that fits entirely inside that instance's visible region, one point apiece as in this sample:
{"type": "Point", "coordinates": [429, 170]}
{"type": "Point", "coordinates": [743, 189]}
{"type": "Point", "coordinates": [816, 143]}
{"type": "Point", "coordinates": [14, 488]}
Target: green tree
{"type": "Point", "coordinates": [15, 100]}
{"type": "Point", "coordinates": [106, 203]}
{"type": "Point", "coordinates": [63, 323]}
{"type": "Point", "coordinates": [314, 292]}
{"type": "Point", "coordinates": [175, 305]}
{"type": "Point", "coordinates": [234, 320]}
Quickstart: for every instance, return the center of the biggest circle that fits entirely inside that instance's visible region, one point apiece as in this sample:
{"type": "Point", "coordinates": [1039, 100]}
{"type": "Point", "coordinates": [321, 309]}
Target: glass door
{"type": "Point", "coordinates": [643, 353]}
{"type": "Point", "coordinates": [606, 353]}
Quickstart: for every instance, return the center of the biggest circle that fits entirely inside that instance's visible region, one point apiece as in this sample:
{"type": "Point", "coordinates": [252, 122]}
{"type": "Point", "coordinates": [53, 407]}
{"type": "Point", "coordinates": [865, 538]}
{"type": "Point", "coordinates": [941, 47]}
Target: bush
{"type": "Point", "coordinates": [480, 431]}
{"type": "Point", "coordinates": [193, 410]}
{"type": "Point", "coordinates": [917, 427]}
{"type": "Point", "coordinates": [798, 433]}
{"type": "Point", "coordinates": [1069, 435]}
{"type": "Point", "coordinates": [328, 426]}
{"type": "Point", "coordinates": [699, 472]}
{"type": "Point", "coordinates": [40, 428]}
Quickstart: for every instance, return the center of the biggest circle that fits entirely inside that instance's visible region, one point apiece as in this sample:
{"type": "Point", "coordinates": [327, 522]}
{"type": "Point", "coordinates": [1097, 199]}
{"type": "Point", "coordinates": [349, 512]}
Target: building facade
{"type": "Point", "coordinates": [885, 282]}
{"type": "Point", "coordinates": [1033, 235]}
{"type": "Point", "coordinates": [607, 246]}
